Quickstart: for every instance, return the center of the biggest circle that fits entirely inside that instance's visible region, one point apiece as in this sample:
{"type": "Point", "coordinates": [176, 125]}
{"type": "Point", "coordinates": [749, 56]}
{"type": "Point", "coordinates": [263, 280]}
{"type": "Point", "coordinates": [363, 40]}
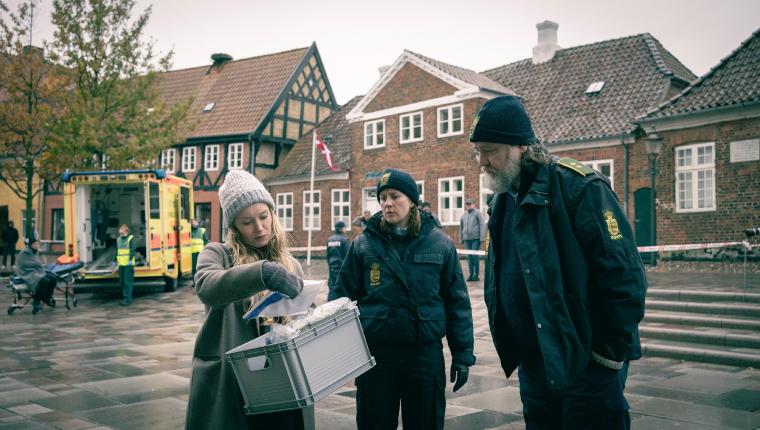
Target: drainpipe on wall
{"type": "Point", "coordinates": [627, 140]}
{"type": "Point", "coordinates": [626, 162]}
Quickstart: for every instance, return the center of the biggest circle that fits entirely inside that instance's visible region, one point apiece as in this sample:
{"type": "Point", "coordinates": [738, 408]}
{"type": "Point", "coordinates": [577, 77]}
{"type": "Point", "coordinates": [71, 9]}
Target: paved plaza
{"type": "Point", "coordinates": [102, 366]}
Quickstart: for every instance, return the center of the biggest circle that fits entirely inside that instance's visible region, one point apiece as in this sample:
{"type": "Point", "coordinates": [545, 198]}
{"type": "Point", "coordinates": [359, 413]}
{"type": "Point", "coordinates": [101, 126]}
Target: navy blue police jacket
{"type": "Point", "coordinates": [416, 298]}
{"type": "Point", "coordinates": [583, 274]}
{"type": "Point", "coordinates": [337, 247]}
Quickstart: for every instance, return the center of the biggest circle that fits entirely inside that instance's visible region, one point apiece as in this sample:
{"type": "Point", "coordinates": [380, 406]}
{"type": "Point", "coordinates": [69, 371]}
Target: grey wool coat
{"type": "Point", "coordinates": [215, 400]}
{"type": "Point", "coordinates": [29, 267]}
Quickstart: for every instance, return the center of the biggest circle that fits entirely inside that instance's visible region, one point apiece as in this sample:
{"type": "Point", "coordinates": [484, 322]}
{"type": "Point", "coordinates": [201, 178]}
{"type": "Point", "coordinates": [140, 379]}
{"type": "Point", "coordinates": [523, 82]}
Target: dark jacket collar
{"type": "Point", "coordinates": [535, 184]}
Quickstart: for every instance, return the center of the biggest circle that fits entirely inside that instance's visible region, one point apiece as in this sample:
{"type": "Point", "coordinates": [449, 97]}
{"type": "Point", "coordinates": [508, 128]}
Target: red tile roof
{"type": "Point", "coordinates": [243, 91]}
{"type": "Point", "coordinates": [636, 71]}
{"type": "Point", "coordinates": [735, 80]}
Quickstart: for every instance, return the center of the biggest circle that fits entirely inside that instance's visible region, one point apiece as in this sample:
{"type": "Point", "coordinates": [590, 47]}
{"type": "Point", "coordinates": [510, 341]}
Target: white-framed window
{"type": "Point", "coordinates": [374, 134]}
{"type": "Point", "coordinates": [421, 189]}
{"type": "Point", "coordinates": [695, 177]}
{"type": "Point", "coordinates": [285, 210]}
{"type": "Point", "coordinates": [605, 167]}
{"type": "Point", "coordinates": [341, 206]}
{"type": "Point", "coordinates": [211, 158]}
{"type": "Point", "coordinates": [485, 195]}
{"type": "Point", "coordinates": [369, 200]}
{"type": "Point", "coordinates": [410, 127]}
{"type": "Point", "coordinates": [450, 121]}
{"type": "Point", "coordinates": [235, 156]}
{"type": "Point", "coordinates": [167, 159]}
{"type": "Point", "coordinates": [450, 200]}
{"type": "Point", "coordinates": [188, 159]}
{"type": "Point", "coordinates": [311, 212]}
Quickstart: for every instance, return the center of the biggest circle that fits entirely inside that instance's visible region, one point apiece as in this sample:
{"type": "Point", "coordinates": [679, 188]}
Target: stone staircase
{"type": "Point", "coordinates": [719, 327]}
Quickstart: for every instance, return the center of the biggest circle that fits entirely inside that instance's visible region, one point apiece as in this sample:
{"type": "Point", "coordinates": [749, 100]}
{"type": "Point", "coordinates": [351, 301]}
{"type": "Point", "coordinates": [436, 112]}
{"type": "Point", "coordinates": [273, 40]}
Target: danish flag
{"type": "Point", "coordinates": [325, 151]}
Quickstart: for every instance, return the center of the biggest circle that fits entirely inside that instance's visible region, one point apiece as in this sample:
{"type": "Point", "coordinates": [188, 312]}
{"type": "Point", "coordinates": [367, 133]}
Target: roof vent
{"type": "Point", "coordinates": [547, 42]}
{"type": "Point", "coordinates": [594, 88]}
{"type": "Point", "coordinates": [208, 107]}
{"type": "Point", "coordinates": [220, 58]}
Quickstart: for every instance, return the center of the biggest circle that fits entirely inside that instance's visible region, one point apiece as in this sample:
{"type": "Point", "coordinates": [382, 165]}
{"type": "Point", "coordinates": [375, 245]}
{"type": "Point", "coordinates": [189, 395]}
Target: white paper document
{"type": "Point", "coordinates": [275, 304]}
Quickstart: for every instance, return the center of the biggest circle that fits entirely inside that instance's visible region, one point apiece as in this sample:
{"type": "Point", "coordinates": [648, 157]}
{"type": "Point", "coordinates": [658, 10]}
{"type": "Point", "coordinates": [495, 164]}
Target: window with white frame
{"type": "Point", "coordinates": [235, 156]}
{"type": "Point", "coordinates": [341, 206]}
{"type": "Point", "coordinates": [450, 121]}
{"type": "Point", "coordinates": [167, 159]}
{"type": "Point", "coordinates": [369, 200]}
{"type": "Point", "coordinates": [311, 212]}
{"type": "Point", "coordinates": [285, 210]}
{"type": "Point", "coordinates": [485, 196]}
{"type": "Point", "coordinates": [695, 177]}
{"type": "Point", "coordinates": [374, 134]}
{"type": "Point", "coordinates": [605, 167]}
{"type": "Point", "coordinates": [188, 159]}
{"type": "Point", "coordinates": [450, 200]}
{"type": "Point", "coordinates": [421, 190]}
{"type": "Point", "coordinates": [410, 127]}
{"type": "Point", "coordinates": [211, 158]}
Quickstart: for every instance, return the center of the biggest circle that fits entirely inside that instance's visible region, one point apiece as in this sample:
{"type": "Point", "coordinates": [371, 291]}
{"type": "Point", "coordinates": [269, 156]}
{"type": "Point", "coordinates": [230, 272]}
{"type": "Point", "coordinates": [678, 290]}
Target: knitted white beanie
{"type": "Point", "coordinates": [240, 190]}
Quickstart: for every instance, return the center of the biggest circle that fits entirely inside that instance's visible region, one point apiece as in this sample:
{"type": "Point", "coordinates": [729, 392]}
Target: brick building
{"type": "Point", "coordinates": [583, 101]}
{"type": "Point", "coordinates": [246, 114]}
{"type": "Point", "coordinates": [708, 170]}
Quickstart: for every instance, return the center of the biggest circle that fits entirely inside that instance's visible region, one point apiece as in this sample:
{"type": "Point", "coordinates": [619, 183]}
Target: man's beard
{"type": "Point", "coordinates": [500, 181]}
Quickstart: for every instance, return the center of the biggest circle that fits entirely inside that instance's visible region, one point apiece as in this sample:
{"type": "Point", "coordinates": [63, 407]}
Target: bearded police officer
{"type": "Point", "coordinates": [564, 282]}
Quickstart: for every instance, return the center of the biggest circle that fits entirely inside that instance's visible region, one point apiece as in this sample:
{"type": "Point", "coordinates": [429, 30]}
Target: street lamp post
{"type": "Point", "coordinates": [653, 143]}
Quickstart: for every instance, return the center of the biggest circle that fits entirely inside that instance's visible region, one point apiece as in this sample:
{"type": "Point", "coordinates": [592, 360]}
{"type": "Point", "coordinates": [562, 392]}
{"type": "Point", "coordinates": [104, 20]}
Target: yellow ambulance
{"type": "Point", "coordinates": [156, 206]}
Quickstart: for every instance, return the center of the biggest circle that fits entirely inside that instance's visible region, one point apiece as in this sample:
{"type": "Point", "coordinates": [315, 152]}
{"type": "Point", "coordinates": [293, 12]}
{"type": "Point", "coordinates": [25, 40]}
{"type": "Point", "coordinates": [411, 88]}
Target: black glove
{"type": "Point", "coordinates": [277, 278]}
{"type": "Point", "coordinates": [459, 373]}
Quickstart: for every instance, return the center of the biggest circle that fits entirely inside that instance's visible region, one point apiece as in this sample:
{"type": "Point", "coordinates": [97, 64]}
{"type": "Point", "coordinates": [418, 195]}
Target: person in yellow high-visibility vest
{"type": "Point", "coordinates": [125, 258]}
{"type": "Point", "coordinates": [198, 241]}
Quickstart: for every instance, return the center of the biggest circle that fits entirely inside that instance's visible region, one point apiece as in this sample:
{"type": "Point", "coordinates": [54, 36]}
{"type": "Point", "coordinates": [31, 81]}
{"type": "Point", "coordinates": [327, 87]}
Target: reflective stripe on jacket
{"type": "Point", "coordinates": [125, 253]}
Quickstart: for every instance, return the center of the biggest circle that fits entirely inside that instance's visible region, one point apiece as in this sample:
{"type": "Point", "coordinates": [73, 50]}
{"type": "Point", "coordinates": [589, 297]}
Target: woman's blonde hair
{"type": "Point", "coordinates": [276, 250]}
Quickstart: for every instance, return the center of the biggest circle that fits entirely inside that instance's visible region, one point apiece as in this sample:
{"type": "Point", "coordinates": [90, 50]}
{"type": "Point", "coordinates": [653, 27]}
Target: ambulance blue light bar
{"type": "Point", "coordinates": [114, 174]}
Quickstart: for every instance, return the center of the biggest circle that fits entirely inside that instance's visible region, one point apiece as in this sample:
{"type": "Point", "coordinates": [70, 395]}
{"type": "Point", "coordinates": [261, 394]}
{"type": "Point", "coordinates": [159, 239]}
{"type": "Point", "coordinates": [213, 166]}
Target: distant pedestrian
{"type": "Point", "coordinates": [564, 285]}
{"type": "Point", "coordinates": [425, 207]}
{"type": "Point", "coordinates": [254, 258]}
{"type": "Point", "coordinates": [472, 231]}
{"type": "Point", "coordinates": [361, 221]}
{"type": "Point", "coordinates": [337, 248]}
{"type": "Point", "coordinates": [198, 241]}
{"type": "Point", "coordinates": [125, 259]}
{"type": "Point", "coordinates": [405, 275]}
{"type": "Point", "coordinates": [10, 238]}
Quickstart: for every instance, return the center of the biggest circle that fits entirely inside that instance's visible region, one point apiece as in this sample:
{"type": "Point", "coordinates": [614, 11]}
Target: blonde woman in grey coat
{"type": "Point", "coordinates": [253, 258]}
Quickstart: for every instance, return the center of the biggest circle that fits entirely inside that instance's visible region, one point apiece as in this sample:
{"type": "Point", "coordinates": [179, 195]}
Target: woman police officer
{"type": "Point", "coordinates": [404, 272]}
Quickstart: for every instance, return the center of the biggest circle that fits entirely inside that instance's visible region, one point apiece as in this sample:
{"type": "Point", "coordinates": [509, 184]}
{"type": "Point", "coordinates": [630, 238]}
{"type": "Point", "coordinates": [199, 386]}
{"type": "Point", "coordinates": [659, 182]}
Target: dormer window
{"type": "Point", "coordinates": [209, 107]}
{"type": "Point", "coordinates": [595, 88]}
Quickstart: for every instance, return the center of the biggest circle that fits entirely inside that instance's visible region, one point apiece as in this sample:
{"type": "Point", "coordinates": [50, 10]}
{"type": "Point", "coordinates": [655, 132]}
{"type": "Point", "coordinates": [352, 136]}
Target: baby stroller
{"type": "Point", "coordinates": [65, 275]}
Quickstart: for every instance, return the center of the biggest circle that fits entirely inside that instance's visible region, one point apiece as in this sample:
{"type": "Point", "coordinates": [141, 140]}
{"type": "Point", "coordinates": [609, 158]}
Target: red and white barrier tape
{"type": "Point", "coordinates": [658, 248]}
{"type": "Point", "coordinates": [665, 248]}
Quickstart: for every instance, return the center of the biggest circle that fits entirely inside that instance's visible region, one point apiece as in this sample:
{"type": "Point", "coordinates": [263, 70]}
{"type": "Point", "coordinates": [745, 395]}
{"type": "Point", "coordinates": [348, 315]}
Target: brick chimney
{"type": "Point", "coordinates": [547, 42]}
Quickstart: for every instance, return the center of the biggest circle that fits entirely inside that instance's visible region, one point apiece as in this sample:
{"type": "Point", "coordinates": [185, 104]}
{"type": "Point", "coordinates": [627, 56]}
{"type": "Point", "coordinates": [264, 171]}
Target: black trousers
{"type": "Point", "coordinates": [412, 377]}
{"type": "Point", "coordinates": [593, 401]}
{"type": "Point", "coordinates": [45, 288]}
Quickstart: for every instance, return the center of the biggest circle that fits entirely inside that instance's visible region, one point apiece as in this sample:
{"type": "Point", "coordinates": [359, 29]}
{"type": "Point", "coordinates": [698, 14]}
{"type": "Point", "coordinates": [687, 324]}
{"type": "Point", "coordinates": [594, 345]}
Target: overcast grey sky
{"type": "Point", "coordinates": [355, 37]}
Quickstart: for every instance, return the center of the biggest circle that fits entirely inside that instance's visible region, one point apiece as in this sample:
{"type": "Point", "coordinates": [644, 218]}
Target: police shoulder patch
{"type": "Point", "coordinates": [575, 166]}
{"type": "Point", "coordinates": [612, 225]}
